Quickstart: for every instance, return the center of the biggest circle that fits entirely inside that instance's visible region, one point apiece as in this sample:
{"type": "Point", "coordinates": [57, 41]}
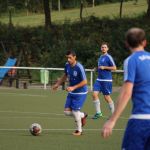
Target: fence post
{"type": "Point", "coordinates": [91, 82]}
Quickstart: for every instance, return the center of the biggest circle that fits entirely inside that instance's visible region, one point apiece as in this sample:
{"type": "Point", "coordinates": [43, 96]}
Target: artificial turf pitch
{"type": "Point", "coordinates": [19, 108]}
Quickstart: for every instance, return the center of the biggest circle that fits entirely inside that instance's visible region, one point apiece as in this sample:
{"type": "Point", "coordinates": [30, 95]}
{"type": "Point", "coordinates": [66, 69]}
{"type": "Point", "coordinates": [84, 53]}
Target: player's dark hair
{"type": "Point", "coordinates": [105, 43]}
{"type": "Point", "coordinates": [135, 36]}
{"type": "Point", "coordinates": [71, 52]}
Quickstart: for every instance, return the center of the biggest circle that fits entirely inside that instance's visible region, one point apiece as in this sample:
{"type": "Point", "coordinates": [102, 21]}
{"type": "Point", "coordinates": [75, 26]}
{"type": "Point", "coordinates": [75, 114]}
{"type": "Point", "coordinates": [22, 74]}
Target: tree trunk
{"type": "Point", "coordinates": [93, 3]}
{"type": "Point", "coordinates": [58, 5]}
{"type": "Point", "coordinates": [81, 10]}
{"type": "Point", "coordinates": [47, 12]}
{"type": "Point", "coordinates": [148, 10]}
{"type": "Point", "coordinates": [121, 8]}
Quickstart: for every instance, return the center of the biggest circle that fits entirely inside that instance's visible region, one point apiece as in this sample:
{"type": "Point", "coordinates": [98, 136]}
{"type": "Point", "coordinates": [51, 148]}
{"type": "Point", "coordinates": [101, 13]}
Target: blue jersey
{"type": "Point", "coordinates": [105, 75]}
{"type": "Point", "coordinates": [137, 71]}
{"type": "Point", "coordinates": [76, 74]}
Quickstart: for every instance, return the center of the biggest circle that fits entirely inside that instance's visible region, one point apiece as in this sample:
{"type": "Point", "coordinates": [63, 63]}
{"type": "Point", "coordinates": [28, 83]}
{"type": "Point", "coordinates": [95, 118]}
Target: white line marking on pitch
{"type": "Point", "coordinates": [58, 129]}
{"type": "Point", "coordinates": [16, 94]}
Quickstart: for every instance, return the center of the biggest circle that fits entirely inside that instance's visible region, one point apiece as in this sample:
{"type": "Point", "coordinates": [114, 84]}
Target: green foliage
{"type": "Point", "coordinates": [47, 47]}
{"type": "Point", "coordinates": [3, 6]}
{"type": "Point", "coordinates": [17, 3]}
{"type": "Point", "coordinates": [37, 5]}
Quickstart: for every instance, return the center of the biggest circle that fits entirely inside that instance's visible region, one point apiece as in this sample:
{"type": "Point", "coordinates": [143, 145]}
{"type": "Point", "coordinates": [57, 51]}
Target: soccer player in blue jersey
{"type": "Point", "coordinates": [104, 81]}
{"type": "Point", "coordinates": [77, 90]}
{"type": "Point", "coordinates": [137, 87]}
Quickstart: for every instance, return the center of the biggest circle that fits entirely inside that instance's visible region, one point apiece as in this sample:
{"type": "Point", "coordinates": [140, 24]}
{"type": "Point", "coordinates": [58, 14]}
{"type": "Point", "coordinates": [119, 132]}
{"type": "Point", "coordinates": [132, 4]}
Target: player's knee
{"type": "Point", "coordinates": [95, 96]}
{"type": "Point", "coordinates": [108, 98]}
{"type": "Point", "coordinates": [68, 113]}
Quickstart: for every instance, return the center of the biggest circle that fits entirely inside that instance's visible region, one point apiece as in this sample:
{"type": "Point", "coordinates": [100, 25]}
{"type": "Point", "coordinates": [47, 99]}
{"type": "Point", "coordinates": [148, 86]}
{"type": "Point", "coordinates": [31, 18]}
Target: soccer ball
{"type": "Point", "coordinates": [35, 129]}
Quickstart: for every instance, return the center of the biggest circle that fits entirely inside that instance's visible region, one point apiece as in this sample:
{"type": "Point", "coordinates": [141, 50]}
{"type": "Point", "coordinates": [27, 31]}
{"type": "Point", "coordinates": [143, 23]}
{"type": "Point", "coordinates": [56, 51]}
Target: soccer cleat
{"type": "Point", "coordinates": [97, 115]}
{"type": "Point", "coordinates": [77, 133]}
{"type": "Point", "coordinates": [83, 120]}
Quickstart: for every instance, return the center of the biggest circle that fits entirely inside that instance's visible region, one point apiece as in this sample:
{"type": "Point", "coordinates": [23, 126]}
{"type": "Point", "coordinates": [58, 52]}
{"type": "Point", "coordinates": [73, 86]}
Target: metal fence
{"type": "Point", "coordinates": [47, 76]}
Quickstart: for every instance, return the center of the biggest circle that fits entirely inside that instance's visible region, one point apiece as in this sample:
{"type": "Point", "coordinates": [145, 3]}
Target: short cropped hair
{"type": "Point", "coordinates": [105, 43]}
{"type": "Point", "coordinates": [135, 36]}
{"type": "Point", "coordinates": [71, 52]}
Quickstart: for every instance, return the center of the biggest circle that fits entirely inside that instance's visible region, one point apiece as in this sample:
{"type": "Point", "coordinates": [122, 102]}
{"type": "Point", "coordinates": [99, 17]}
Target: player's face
{"type": "Point", "coordinates": [71, 59]}
{"type": "Point", "coordinates": [104, 48]}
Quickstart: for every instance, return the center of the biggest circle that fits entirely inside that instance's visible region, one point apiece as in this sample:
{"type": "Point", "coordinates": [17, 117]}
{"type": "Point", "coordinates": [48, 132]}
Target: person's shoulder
{"type": "Point", "coordinates": [79, 65]}
{"type": "Point", "coordinates": [137, 54]}
{"type": "Point", "coordinates": [99, 58]}
{"type": "Point", "coordinates": [109, 55]}
{"type": "Point", "coordinates": [128, 58]}
{"type": "Point", "coordinates": [145, 55]}
{"type": "Point", "coordinates": [147, 52]}
{"type": "Point", "coordinates": [66, 64]}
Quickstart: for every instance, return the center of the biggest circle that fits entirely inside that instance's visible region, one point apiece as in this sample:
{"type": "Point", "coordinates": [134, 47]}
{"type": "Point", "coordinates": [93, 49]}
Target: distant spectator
{"type": "Point", "coordinates": [11, 75]}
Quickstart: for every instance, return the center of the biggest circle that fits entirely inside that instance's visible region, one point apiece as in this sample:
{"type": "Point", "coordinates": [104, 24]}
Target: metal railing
{"type": "Point", "coordinates": [57, 69]}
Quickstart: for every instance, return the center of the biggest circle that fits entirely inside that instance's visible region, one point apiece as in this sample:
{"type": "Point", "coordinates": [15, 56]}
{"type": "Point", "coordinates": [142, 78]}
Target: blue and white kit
{"type": "Point", "coordinates": [76, 74]}
{"type": "Point", "coordinates": [104, 81]}
{"type": "Point", "coordinates": [137, 71]}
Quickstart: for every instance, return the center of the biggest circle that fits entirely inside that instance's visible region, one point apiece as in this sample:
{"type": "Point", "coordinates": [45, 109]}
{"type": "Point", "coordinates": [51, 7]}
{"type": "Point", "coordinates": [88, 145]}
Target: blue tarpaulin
{"type": "Point", "coordinates": [10, 62]}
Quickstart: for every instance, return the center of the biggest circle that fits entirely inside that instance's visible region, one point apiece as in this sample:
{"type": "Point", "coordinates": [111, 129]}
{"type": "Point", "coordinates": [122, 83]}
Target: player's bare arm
{"type": "Point", "coordinates": [81, 84]}
{"type": "Point", "coordinates": [59, 82]}
{"type": "Point", "coordinates": [122, 101]}
{"type": "Point", "coordinates": [112, 68]}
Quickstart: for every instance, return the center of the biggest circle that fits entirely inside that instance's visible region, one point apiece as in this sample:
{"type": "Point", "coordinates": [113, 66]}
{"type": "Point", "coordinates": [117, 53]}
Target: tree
{"type": "Point", "coordinates": [58, 5]}
{"type": "Point", "coordinates": [121, 3]}
{"type": "Point", "coordinates": [81, 10]}
{"type": "Point", "coordinates": [93, 3]}
{"type": "Point", "coordinates": [148, 10]}
{"type": "Point", "coordinates": [47, 12]}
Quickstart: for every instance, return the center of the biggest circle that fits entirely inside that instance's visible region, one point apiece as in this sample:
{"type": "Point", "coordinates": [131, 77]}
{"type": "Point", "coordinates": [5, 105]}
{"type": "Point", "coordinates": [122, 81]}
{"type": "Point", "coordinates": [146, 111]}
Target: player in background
{"type": "Point", "coordinates": [77, 90]}
{"type": "Point", "coordinates": [103, 82]}
{"type": "Point", "coordinates": [136, 85]}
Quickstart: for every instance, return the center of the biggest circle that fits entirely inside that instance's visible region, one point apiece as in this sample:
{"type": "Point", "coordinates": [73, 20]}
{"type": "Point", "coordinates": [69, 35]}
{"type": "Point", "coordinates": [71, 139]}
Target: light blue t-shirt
{"type": "Point", "coordinates": [105, 75]}
{"type": "Point", "coordinates": [137, 71]}
{"type": "Point", "coordinates": [76, 74]}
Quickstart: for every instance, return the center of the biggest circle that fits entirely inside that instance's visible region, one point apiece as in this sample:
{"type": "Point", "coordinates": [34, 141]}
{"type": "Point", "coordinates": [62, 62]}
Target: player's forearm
{"type": "Point", "coordinates": [113, 68]}
{"type": "Point", "coordinates": [61, 80]}
{"type": "Point", "coordinates": [122, 101]}
{"type": "Point", "coordinates": [81, 84]}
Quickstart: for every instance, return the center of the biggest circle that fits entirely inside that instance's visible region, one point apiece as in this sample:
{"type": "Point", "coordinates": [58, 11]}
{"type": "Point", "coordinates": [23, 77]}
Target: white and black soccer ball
{"type": "Point", "coordinates": [35, 129]}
